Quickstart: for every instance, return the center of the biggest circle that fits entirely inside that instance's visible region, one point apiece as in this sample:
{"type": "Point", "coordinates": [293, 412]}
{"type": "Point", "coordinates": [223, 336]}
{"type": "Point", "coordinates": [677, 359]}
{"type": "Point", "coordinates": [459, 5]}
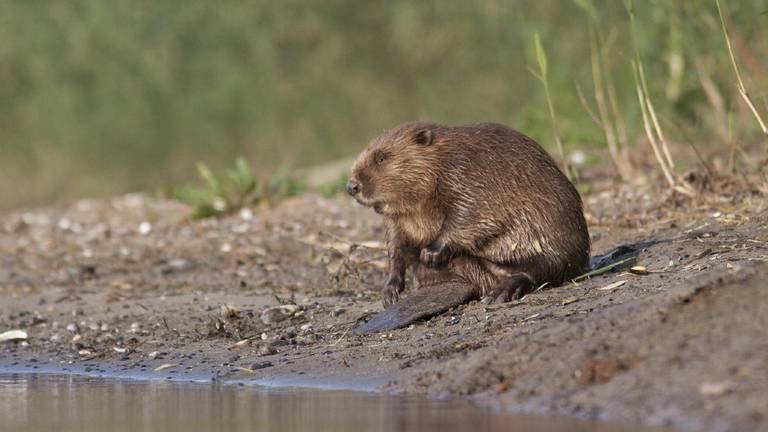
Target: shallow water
{"type": "Point", "coordinates": [47, 402]}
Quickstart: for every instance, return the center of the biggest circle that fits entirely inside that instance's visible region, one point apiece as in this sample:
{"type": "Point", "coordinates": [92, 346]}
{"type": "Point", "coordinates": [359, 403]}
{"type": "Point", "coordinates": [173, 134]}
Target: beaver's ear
{"type": "Point", "coordinates": [424, 137]}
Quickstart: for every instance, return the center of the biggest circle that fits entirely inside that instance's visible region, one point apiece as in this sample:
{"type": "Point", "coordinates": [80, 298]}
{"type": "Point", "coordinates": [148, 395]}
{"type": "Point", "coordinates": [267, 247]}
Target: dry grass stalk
{"type": "Point", "coordinates": [650, 132]}
{"type": "Point", "coordinates": [586, 106]}
{"type": "Point", "coordinates": [651, 123]}
{"type": "Point", "coordinates": [621, 129]}
{"type": "Point", "coordinates": [739, 81]}
{"type": "Point", "coordinates": [656, 138]}
{"type": "Point", "coordinates": [715, 99]}
{"type": "Point", "coordinates": [608, 124]}
{"type": "Point", "coordinates": [654, 118]}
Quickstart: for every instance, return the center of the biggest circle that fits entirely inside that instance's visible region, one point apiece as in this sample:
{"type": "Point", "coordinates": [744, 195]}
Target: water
{"type": "Point", "coordinates": [47, 402]}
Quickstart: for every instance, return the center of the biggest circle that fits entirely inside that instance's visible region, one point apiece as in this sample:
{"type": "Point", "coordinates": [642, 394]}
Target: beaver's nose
{"type": "Point", "coordinates": [353, 187]}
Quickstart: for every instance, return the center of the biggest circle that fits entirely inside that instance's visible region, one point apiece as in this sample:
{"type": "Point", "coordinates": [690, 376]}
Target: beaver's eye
{"type": "Point", "coordinates": [380, 158]}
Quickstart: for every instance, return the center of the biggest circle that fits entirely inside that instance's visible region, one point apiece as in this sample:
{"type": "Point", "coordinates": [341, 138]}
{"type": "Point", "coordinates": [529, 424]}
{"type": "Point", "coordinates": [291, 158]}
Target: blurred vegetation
{"type": "Point", "coordinates": [99, 97]}
{"type": "Point", "coordinates": [235, 189]}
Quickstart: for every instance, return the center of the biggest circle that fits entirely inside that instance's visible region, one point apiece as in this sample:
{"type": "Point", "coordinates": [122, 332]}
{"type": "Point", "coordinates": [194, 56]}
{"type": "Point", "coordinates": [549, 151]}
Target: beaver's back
{"type": "Point", "coordinates": [509, 202]}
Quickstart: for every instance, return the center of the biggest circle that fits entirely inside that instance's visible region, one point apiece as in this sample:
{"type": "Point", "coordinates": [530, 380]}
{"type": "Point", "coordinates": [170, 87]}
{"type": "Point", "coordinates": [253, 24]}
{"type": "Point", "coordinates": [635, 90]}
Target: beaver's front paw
{"type": "Point", "coordinates": [390, 294]}
{"type": "Point", "coordinates": [436, 254]}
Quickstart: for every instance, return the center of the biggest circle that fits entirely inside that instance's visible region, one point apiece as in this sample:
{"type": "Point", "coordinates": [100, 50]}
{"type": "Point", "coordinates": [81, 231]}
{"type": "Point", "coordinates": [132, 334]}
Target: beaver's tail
{"type": "Point", "coordinates": [424, 303]}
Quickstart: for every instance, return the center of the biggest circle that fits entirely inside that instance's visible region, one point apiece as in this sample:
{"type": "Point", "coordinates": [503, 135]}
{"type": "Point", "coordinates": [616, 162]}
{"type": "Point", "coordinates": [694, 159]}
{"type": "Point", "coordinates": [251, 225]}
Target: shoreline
{"type": "Point", "coordinates": [129, 284]}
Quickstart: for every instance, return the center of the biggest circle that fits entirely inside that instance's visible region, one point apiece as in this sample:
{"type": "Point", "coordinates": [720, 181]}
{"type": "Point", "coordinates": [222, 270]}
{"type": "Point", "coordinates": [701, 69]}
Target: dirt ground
{"type": "Point", "coordinates": [130, 284]}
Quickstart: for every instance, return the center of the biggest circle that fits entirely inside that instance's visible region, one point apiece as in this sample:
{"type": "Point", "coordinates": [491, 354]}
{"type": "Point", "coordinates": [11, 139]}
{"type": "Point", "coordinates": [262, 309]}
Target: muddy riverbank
{"type": "Point", "coordinates": [130, 284]}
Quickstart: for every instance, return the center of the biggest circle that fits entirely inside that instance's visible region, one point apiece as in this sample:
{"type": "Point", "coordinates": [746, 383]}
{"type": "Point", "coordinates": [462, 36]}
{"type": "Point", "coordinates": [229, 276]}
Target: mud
{"type": "Point", "coordinates": [131, 286]}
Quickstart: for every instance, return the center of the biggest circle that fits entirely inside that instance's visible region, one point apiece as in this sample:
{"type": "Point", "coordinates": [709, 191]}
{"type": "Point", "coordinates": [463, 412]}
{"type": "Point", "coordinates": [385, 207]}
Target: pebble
{"type": "Point", "coordinates": [145, 228]}
{"type": "Point", "coordinates": [278, 313]}
{"type": "Point", "coordinates": [266, 350]}
{"type": "Point", "coordinates": [261, 365]}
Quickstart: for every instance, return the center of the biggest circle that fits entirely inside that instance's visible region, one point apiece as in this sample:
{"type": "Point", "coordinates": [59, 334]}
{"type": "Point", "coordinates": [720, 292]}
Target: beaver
{"type": "Point", "coordinates": [478, 211]}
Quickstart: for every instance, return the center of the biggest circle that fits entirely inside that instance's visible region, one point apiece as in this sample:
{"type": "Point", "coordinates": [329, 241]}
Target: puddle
{"type": "Point", "coordinates": [42, 402]}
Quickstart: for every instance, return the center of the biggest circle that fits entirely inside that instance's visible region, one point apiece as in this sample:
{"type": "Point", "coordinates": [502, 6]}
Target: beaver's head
{"type": "Point", "coordinates": [398, 170]}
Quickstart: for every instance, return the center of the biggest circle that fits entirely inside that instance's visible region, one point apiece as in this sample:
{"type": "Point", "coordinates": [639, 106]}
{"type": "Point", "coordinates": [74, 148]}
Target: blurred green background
{"type": "Point", "coordinates": [105, 96]}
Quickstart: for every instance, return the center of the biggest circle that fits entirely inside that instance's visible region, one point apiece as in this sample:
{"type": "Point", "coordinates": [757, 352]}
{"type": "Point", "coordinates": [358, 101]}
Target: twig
{"type": "Point", "coordinates": [341, 337]}
{"type": "Point", "coordinates": [169, 330]}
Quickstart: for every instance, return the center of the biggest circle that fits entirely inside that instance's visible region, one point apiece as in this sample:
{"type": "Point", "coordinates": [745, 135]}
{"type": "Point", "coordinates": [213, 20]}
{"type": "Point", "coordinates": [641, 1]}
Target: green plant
{"type": "Point", "coordinates": [284, 183]}
{"type": "Point", "coordinates": [222, 193]}
{"type": "Point", "coordinates": [236, 188]}
{"type": "Point", "coordinates": [541, 59]}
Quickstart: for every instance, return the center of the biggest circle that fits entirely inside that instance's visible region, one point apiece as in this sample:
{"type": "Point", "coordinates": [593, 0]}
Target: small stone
{"type": "Point", "coordinates": [219, 204]}
{"type": "Point", "coordinates": [145, 228]}
{"type": "Point", "coordinates": [714, 389]}
{"type": "Point", "coordinates": [13, 335]}
{"type": "Point", "coordinates": [266, 350]}
{"type": "Point", "coordinates": [261, 365]}
{"type": "Point", "coordinates": [227, 311]}
{"type": "Point", "coordinates": [278, 313]}
{"type": "Point", "coordinates": [176, 264]}
{"type": "Point", "coordinates": [246, 213]}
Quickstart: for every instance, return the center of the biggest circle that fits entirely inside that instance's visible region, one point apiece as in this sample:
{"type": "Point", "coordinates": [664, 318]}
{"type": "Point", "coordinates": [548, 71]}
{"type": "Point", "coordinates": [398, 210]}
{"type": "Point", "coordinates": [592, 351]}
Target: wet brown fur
{"type": "Point", "coordinates": [480, 204]}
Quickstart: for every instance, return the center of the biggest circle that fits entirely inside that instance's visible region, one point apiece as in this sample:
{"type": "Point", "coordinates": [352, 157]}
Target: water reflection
{"type": "Point", "coordinates": [76, 403]}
